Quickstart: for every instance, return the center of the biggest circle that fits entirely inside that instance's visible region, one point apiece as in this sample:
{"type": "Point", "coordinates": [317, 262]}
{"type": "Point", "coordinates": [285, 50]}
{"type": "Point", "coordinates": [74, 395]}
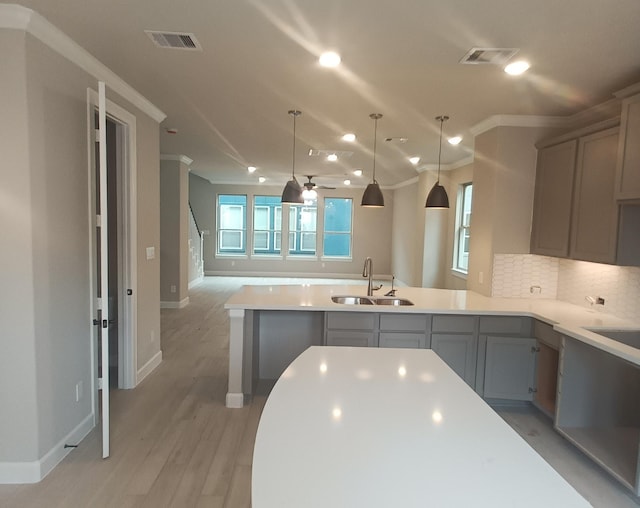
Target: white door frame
{"type": "Point", "coordinates": [126, 143]}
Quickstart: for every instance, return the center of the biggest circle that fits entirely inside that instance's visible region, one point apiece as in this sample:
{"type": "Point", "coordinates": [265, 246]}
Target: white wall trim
{"type": "Point", "coordinates": [148, 367]}
{"type": "Point", "coordinates": [33, 472]}
{"type": "Point", "coordinates": [180, 158]}
{"type": "Point", "coordinates": [175, 305]}
{"type": "Point", "coordinates": [628, 91]}
{"type": "Point", "coordinates": [22, 18]}
{"type": "Point", "coordinates": [293, 275]}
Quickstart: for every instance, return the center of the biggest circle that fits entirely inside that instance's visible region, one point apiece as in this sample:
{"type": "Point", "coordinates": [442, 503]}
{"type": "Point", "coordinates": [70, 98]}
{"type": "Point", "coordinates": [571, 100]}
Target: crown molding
{"type": "Point", "coordinates": [411, 181]}
{"type": "Point", "coordinates": [518, 121]}
{"type": "Point", "coordinates": [446, 167]}
{"type": "Point", "coordinates": [628, 91]}
{"type": "Point", "coordinates": [176, 157]}
{"type": "Point", "coordinates": [21, 18]}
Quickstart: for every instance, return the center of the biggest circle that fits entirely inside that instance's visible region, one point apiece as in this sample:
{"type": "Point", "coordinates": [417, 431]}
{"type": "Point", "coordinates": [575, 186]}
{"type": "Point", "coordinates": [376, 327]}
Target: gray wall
{"type": "Point", "coordinates": [45, 292]}
{"type": "Point", "coordinates": [405, 248]}
{"type": "Point", "coordinates": [174, 230]}
{"type": "Point", "coordinates": [503, 187]}
{"type": "Point", "coordinates": [371, 234]}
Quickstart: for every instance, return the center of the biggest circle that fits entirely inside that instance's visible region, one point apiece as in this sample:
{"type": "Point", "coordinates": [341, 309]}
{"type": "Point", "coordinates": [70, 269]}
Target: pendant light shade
{"type": "Point", "coordinates": [292, 192]}
{"type": "Point", "coordinates": [372, 196]}
{"type": "Point", "coordinates": [437, 197]}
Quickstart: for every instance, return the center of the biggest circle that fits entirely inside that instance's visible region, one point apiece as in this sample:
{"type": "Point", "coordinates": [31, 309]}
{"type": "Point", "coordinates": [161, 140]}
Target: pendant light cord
{"type": "Point", "coordinates": [375, 139]}
{"type": "Point", "coordinates": [293, 157]}
{"type": "Point", "coordinates": [440, 148]}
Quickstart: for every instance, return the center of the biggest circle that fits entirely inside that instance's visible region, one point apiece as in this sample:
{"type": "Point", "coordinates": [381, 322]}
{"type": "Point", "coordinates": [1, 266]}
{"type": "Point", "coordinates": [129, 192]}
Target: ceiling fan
{"type": "Point", "coordinates": [309, 192]}
{"type": "Point", "coordinates": [311, 185]}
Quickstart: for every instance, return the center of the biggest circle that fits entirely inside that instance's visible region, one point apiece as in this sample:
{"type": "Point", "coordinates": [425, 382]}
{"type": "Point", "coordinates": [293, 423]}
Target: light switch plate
{"type": "Point", "coordinates": [151, 252]}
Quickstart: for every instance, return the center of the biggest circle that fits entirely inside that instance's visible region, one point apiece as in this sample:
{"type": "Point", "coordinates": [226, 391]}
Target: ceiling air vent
{"type": "Point", "coordinates": [496, 56]}
{"type": "Point", "coordinates": [342, 154]}
{"type": "Point", "coordinates": [174, 40]}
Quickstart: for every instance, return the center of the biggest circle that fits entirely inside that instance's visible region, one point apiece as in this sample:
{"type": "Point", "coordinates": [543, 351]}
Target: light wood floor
{"type": "Point", "coordinates": [175, 444]}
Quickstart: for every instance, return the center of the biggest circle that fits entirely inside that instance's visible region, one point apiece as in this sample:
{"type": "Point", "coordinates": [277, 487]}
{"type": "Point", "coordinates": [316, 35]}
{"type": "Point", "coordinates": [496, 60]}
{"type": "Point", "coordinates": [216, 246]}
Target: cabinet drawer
{"type": "Point", "coordinates": [400, 339]}
{"type": "Point", "coordinates": [545, 333]}
{"type": "Point", "coordinates": [513, 325]}
{"type": "Point", "coordinates": [453, 324]}
{"type": "Point", "coordinates": [403, 322]}
{"type": "Point", "coordinates": [352, 320]}
{"type": "Point", "coordinates": [358, 339]}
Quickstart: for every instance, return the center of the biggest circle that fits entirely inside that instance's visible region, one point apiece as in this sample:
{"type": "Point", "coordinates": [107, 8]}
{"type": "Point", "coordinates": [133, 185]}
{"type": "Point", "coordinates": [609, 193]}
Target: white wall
{"type": "Point", "coordinates": [46, 270]}
{"type": "Point", "coordinates": [371, 234]}
{"type": "Point", "coordinates": [405, 251]}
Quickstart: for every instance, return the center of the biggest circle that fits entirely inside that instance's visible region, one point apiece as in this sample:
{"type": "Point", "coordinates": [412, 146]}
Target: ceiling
{"type": "Point", "coordinates": [229, 102]}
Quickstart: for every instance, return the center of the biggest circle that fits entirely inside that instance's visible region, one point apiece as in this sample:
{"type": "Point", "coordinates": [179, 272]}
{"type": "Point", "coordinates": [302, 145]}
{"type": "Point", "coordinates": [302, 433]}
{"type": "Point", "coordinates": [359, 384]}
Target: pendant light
{"type": "Point", "coordinates": [437, 197]}
{"type": "Point", "coordinates": [372, 196]}
{"type": "Point", "coordinates": [292, 192]}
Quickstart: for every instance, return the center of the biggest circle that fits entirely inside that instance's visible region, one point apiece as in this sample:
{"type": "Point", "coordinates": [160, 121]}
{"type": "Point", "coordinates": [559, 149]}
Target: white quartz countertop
{"type": "Point", "coordinates": [569, 319]}
{"type": "Point", "coordinates": [368, 427]}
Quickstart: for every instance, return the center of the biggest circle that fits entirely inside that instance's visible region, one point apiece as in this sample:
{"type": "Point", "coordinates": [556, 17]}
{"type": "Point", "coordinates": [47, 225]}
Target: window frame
{"type": "Point", "coordinates": [221, 250]}
{"type": "Point", "coordinates": [296, 233]}
{"type": "Point", "coordinates": [325, 231]}
{"type": "Point", "coordinates": [462, 234]}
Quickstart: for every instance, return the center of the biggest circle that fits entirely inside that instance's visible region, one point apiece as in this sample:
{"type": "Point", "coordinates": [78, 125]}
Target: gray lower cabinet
{"type": "Point", "coordinates": [510, 368]}
{"type": "Point", "coordinates": [459, 351]}
{"type": "Point", "coordinates": [358, 329]}
{"type": "Point", "coordinates": [598, 409]}
{"type": "Point", "coordinates": [404, 331]}
{"type": "Point", "coordinates": [454, 338]}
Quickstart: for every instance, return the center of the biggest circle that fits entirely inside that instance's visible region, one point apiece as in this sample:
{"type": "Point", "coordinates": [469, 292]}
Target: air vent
{"type": "Point", "coordinates": [496, 56]}
{"type": "Point", "coordinates": [342, 154]}
{"type": "Point", "coordinates": [174, 40]}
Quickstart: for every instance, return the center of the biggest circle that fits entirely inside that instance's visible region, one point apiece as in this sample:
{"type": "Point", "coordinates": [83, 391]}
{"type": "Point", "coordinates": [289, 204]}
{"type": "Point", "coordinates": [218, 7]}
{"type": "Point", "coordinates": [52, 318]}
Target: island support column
{"type": "Point", "coordinates": [235, 393]}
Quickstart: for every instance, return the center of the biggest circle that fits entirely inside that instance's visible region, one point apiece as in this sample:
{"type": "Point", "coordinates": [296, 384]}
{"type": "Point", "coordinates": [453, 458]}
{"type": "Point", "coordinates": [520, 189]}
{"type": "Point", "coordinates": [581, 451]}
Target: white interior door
{"type": "Point", "coordinates": [103, 268]}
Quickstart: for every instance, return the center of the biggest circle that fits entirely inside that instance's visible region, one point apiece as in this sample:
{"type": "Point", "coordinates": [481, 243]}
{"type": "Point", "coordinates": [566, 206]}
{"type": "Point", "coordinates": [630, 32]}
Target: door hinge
{"type": "Point", "coordinates": [96, 322]}
{"type": "Point", "coordinates": [98, 221]}
{"type": "Point", "coordinates": [99, 383]}
{"type": "Point", "coordinates": [535, 349]}
{"type": "Point", "coordinates": [533, 390]}
{"type": "Point", "coordinates": [129, 292]}
{"type": "Point", "coordinates": [99, 303]}
{"type": "Point", "coordinates": [97, 135]}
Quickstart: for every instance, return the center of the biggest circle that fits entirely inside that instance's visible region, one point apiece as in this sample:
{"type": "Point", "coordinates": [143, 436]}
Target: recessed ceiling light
{"type": "Point", "coordinates": [455, 140]}
{"type": "Point", "coordinates": [516, 68]}
{"type": "Point", "coordinates": [350, 137]}
{"type": "Point", "coordinates": [251, 169]}
{"type": "Point", "coordinates": [262, 179]}
{"type": "Point", "coordinates": [347, 182]}
{"type": "Point", "coordinates": [414, 160]}
{"type": "Point", "coordinates": [358, 172]}
{"type": "Point", "coordinates": [329, 59]}
{"type": "Point", "coordinates": [332, 157]}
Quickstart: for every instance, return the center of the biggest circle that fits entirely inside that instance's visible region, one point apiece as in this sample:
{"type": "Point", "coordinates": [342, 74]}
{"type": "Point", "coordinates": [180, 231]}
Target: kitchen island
{"type": "Point", "coordinates": [284, 303]}
{"type": "Point", "coordinates": [346, 427]}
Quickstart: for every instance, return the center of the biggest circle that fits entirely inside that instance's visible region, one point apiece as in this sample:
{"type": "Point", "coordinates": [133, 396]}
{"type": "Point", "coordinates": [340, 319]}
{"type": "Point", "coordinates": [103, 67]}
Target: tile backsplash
{"type": "Point", "coordinates": [520, 275]}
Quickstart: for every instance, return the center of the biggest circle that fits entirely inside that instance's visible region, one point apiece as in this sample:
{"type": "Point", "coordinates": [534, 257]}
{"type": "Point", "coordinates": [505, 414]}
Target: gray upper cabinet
{"type": "Point", "coordinates": [595, 211]}
{"type": "Point", "coordinates": [552, 204]}
{"type": "Point", "coordinates": [628, 167]}
{"type": "Point", "coordinates": [575, 212]}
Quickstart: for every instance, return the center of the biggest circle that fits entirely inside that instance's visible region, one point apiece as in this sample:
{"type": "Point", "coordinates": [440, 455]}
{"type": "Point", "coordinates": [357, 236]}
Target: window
{"type": "Point", "coordinates": [232, 220]}
{"type": "Point", "coordinates": [302, 229]}
{"type": "Point", "coordinates": [337, 227]}
{"type": "Point", "coordinates": [463, 224]}
{"type": "Point", "coordinates": [267, 223]}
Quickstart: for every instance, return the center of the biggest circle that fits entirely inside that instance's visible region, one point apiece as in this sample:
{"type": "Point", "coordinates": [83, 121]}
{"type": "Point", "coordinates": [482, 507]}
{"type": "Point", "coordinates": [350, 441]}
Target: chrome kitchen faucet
{"type": "Point", "coordinates": [367, 271]}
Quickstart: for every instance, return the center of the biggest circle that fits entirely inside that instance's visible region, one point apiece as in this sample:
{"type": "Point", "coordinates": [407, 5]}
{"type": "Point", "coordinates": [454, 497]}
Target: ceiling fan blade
{"type": "Point", "coordinates": [325, 187]}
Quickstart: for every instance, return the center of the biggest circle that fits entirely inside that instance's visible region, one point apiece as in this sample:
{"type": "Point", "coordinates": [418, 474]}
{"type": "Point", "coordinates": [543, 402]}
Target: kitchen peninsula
{"type": "Point", "coordinates": [259, 312]}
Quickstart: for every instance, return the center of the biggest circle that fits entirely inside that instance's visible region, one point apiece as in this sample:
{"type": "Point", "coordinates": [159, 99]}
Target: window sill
{"type": "Point", "coordinates": [267, 256]}
{"type": "Point", "coordinates": [348, 259]}
{"type": "Point", "coordinates": [459, 273]}
{"type": "Point", "coordinates": [231, 256]}
{"type": "Point", "coordinates": [301, 257]}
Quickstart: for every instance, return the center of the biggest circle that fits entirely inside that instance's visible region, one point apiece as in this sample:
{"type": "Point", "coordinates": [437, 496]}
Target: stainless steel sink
{"type": "Point", "coordinates": [352, 300]}
{"type": "Point", "coordinates": [628, 337]}
{"type": "Point", "coordinates": [365, 300]}
{"type": "Point", "coordinates": [393, 301]}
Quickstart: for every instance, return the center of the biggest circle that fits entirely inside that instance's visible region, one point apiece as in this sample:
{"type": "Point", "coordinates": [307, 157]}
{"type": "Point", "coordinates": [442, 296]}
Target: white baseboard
{"type": "Point", "coordinates": [148, 367]}
{"type": "Point", "coordinates": [175, 305]}
{"type": "Point", "coordinates": [195, 282]}
{"type": "Point", "coordinates": [33, 472]}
